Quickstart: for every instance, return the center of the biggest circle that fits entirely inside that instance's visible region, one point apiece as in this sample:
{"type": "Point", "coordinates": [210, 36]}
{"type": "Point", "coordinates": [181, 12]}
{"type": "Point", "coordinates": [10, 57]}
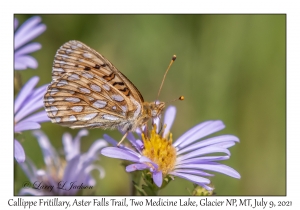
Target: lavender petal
{"type": "Point", "coordinates": [136, 166]}
{"type": "Point", "coordinates": [25, 61]}
{"type": "Point", "coordinates": [51, 158]}
{"type": "Point", "coordinates": [156, 121]}
{"type": "Point", "coordinates": [73, 172]}
{"type": "Point", "coordinates": [114, 152]}
{"type": "Point", "coordinates": [207, 142]}
{"type": "Point", "coordinates": [169, 118]}
{"type": "Point", "coordinates": [33, 102]}
{"type": "Point", "coordinates": [213, 167]}
{"type": "Point", "coordinates": [226, 144]}
{"type": "Point", "coordinates": [25, 92]}
{"type": "Point", "coordinates": [28, 31]}
{"type": "Point", "coordinates": [25, 125]}
{"type": "Point", "coordinates": [39, 93]}
{"type": "Point", "coordinates": [190, 132]}
{"type": "Point", "coordinates": [208, 129]}
{"type": "Point", "coordinates": [208, 188]}
{"type": "Point", "coordinates": [92, 153]}
{"type": "Point", "coordinates": [202, 151]}
{"type": "Point", "coordinates": [115, 143]}
{"type": "Point", "coordinates": [68, 146]}
{"type": "Point", "coordinates": [29, 48]}
{"type": "Point", "coordinates": [110, 140]}
{"type": "Point", "coordinates": [132, 140]}
{"type": "Point", "coordinates": [191, 171]}
{"type": "Point", "coordinates": [204, 159]}
{"type": "Point", "coordinates": [29, 169]}
{"type": "Point", "coordinates": [38, 117]}
{"type": "Point", "coordinates": [80, 134]}
{"type": "Point", "coordinates": [95, 167]}
{"type": "Point", "coordinates": [19, 152]}
{"type": "Point", "coordinates": [193, 178]}
{"type": "Point", "coordinates": [28, 108]}
{"type": "Point", "coordinates": [72, 169]}
{"type": "Point", "coordinates": [28, 191]}
{"type": "Point", "coordinates": [157, 178]}
{"type": "Point", "coordinates": [144, 159]}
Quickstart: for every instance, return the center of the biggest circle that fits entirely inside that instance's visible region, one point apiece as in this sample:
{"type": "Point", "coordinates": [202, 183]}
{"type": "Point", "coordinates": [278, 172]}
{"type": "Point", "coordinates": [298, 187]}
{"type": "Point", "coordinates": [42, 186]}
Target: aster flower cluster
{"type": "Point", "coordinates": [31, 29]}
{"type": "Point", "coordinates": [63, 176]}
{"type": "Point", "coordinates": [29, 99]}
{"type": "Point", "coordinates": [186, 158]}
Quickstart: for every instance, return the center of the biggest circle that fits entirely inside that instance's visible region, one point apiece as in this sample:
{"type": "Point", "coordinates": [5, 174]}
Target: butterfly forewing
{"type": "Point", "coordinates": [88, 91]}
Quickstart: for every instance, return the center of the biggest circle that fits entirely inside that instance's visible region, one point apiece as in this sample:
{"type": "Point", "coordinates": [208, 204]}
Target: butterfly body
{"type": "Point", "coordinates": [87, 91]}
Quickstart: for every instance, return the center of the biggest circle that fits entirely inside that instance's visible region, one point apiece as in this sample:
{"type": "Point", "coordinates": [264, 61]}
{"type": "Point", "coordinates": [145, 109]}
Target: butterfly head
{"type": "Point", "coordinates": [156, 108]}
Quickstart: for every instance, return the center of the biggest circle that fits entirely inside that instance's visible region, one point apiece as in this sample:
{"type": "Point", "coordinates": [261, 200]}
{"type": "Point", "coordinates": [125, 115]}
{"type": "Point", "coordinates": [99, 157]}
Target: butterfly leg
{"type": "Point", "coordinates": [122, 138]}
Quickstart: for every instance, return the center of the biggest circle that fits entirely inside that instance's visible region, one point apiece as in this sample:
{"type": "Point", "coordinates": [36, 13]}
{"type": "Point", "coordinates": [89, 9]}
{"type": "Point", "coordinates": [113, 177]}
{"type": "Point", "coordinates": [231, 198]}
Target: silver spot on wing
{"type": "Point", "coordinates": [50, 100]}
{"type": "Point", "coordinates": [73, 77]}
{"type": "Point", "coordinates": [53, 91]}
{"type": "Point", "coordinates": [87, 75]}
{"type": "Point", "coordinates": [87, 55]}
{"type": "Point", "coordinates": [62, 83]}
{"type": "Point", "coordinates": [110, 117]}
{"type": "Point", "coordinates": [117, 98]}
{"type": "Point", "coordinates": [89, 116]}
{"type": "Point", "coordinates": [100, 104]}
{"type": "Point", "coordinates": [54, 110]}
{"type": "Point", "coordinates": [84, 90]}
{"type": "Point", "coordinates": [77, 108]}
{"type": "Point", "coordinates": [95, 87]}
{"type": "Point", "coordinates": [72, 99]}
{"type": "Point", "coordinates": [72, 118]}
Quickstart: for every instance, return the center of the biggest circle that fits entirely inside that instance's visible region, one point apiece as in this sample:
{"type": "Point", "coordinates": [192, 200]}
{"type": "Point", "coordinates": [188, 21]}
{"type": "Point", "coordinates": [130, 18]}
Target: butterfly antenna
{"type": "Point", "coordinates": [172, 61]}
{"type": "Point", "coordinates": [181, 98]}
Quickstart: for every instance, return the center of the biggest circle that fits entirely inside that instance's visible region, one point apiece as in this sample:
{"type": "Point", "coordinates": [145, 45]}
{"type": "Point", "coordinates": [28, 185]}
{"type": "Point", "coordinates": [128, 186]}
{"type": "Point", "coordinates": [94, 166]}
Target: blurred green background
{"type": "Point", "coordinates": [228, 67]}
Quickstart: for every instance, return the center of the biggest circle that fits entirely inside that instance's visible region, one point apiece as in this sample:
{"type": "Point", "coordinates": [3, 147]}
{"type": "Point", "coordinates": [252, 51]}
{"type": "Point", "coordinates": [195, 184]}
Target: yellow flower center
{"type": "Point", "coordinates": [160, 150]}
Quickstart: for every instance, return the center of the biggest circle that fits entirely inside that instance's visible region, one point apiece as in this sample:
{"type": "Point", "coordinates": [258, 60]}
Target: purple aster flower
{"type": "Point", "coordinates": [28, 101]}
{"type": "Point", "coordinates": [27, 32]}
{"type": "Point", "coordinates": [188, 157]}
{"type": "Point", "coordinates": [63, 176]}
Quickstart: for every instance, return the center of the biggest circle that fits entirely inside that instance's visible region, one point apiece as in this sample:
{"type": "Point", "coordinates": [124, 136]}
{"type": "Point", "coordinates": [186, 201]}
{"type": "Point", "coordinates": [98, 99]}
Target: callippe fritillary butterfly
{"type": "Point", "coordinates": [87, 91]}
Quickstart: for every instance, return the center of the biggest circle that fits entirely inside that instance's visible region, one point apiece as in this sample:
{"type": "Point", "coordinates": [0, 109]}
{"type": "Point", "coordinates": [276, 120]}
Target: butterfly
{"type": "Point", "coordinates": [88, 91]}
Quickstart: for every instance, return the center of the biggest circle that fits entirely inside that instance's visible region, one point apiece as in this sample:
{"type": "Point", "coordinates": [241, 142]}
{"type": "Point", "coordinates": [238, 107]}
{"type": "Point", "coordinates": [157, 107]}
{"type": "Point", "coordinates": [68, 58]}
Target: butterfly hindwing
{"type": "Point", "coordinates": [80, 96]}
{"type": "Point", "coordinates": [88, 91]}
